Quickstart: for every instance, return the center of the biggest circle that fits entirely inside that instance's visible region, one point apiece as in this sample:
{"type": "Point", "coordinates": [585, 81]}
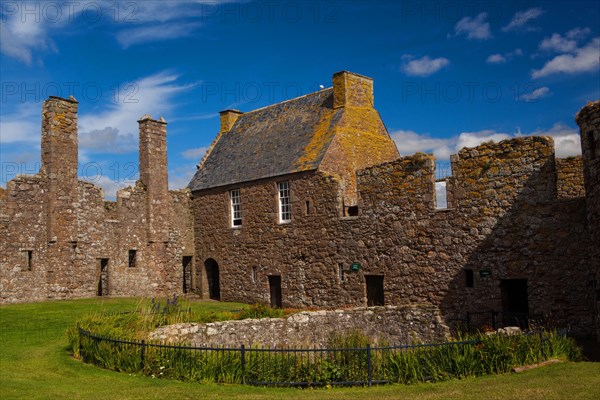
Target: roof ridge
{"type": "Point", "coordinates": [287, 101]}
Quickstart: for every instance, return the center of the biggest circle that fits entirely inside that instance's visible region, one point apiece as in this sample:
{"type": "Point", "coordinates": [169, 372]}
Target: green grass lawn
{"type": "Point", "coordinates": [35, 364]}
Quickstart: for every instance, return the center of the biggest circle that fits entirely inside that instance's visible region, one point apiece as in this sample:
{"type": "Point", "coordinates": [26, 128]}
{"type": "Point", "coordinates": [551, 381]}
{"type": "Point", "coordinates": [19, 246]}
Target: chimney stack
{"type": "Point", "coordinates": [352, 90]}
{"type": "Point", "coordinates": [154, 176]}
{"type": "Point", "coordinates": [228, 118]}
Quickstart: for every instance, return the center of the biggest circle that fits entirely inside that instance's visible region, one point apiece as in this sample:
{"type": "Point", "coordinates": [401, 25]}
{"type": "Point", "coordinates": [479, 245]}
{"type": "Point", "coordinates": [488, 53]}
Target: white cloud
{"type": "Point", "coordinates": [25, 35]}
{"type": "Point", "coordinates": [503, 58]}
{"type": "Point", "coordinates": [441, 198]}
{"type": "Point", "coordinates": [154, 33]}
{"type": "Point", "coordinates": [22, 35]}
{"type": "Point", "coordinates": [521, 19]}
{"type": "Point", "coordinates": [474, 28]}
{"type": "Point", "coordinates": [181, 176]}
{"type": "Point", "coordinates": [558, 43]}
{"type": "Point", "coordinates": [566, 141]}
{"type": "Point", "coordinates": [22, 125]}
{"type": "Point", "coordinates": [423, 66]}
{"type": "Point", "coordinates": [410, 142]}
{"type": "Point", "coordinates": [496, 59]}
{"type": "Point", "coordinates": [195, 153]}
{"type": "Point", "coordinates": [578, 33]}
{"type": "Point", "coordinates": [108, 140]}
{"type": "Point", "coordinates": [584, 59]}
{"type": "Point", "coordinates": [109, 186]}
{"type": "Point", "coordinates": [151, 95]}
{"type": "Point", "coordinates": [536, 94]}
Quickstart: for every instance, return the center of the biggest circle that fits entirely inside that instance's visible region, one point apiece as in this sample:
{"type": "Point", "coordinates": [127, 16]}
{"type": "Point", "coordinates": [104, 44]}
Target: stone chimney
{"type": "Point", "coordinates": [228, 118]}
{"type": "Point", "coordinates": [154, 176]}
{"type": "Point", "coordinates": [352, 90]}
{"type": "Point", "coordinates": [59, 166]}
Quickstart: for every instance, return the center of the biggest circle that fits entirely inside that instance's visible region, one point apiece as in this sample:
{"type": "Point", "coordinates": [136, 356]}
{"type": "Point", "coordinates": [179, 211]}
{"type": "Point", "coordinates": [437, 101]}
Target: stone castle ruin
{"type": "Point", "coordinates": [308, 203]}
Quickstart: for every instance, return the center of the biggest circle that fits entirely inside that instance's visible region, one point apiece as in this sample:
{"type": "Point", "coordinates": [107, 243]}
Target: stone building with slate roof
{"type": "Point", "coordinates": [308, 203]}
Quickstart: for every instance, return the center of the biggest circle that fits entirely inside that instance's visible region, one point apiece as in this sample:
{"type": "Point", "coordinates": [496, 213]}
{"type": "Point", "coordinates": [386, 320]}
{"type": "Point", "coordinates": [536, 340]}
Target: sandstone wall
{"type": "Point", "coordinates": [394, 325]}
{"type": "Point", "coordinates": [569, 177]}
{"type": "Point", "coordinates": [56, 230]}
{"type": "Point", "coordinates": [505, 221]}
{"type": "Point", "coordinates": [589, 123]}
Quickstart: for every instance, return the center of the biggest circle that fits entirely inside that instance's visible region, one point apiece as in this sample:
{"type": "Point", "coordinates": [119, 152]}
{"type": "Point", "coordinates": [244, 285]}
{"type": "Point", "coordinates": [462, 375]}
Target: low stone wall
{"type": "Point", "coordinates": [395, 324]}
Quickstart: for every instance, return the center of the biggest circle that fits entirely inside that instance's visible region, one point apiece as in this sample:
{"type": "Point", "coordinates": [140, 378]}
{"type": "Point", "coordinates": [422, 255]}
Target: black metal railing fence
{"type": "Point", "coordinates": [366, 365]}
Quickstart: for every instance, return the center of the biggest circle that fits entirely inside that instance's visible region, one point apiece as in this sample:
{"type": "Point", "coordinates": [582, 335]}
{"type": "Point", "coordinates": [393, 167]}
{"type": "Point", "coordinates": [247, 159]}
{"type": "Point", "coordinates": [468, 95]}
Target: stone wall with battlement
{"type": "Point", "coordinates": [517, 215]}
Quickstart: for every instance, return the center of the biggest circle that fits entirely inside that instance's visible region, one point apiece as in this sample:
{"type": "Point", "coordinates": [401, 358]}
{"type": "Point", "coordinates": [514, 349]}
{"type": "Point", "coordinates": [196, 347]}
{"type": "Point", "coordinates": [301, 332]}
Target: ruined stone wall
{"type": "Point", "coordinates": [394, 325]}
{"type": "Point", "coordinates": [589, 123]}
{"type": "Point", "coordinates": [86, 229]}
{"type": "Point", "coordinates": [505, 221]}
{"type": "Point", "coordinates": [569, 177]}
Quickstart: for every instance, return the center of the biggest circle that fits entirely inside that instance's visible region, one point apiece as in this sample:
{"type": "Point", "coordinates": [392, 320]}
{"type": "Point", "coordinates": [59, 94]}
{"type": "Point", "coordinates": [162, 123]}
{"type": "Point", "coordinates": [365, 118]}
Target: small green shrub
{"type": "Point", "coordinates": [261, 311]}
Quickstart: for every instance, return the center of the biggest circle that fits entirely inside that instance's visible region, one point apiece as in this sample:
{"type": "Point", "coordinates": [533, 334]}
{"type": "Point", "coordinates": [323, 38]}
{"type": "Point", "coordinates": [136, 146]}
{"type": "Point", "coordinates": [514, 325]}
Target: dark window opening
{"type": "Point", "coordinates": [469, 280]}
{"type": "Point", "coordinates": [592, 145]}
{"type": "Point", "coordinates": [186, 263]}
{"type": "Point", "coordinates": [375, 295]}
{"type": "Point", "coordinates": [307, 207]}
{"type": "Point", "coordinates": [352, 211]}
{"type": "Point", "coordinates": [275, 291]}
{"type": "Point", "coordinates": [341, 273]}
{"type": "Point", "coordinates": [103, 278]}
{"type": "Point", "coordinates": [132, 258]}
{"type": "Point", "coordinates": [254, 274]}
{"type": "Point", "coordinates": [27, 260]}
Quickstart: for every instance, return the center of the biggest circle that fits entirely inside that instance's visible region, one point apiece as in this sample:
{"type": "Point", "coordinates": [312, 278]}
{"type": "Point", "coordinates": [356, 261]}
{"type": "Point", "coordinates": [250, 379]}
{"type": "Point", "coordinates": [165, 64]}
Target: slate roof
{"type": "Point", "coordinates": [283, 138]}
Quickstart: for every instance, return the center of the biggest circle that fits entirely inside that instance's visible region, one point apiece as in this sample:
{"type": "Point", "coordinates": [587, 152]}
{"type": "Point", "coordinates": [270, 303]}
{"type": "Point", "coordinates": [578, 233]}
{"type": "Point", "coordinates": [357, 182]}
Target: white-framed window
{"type": "Point", "coordinates": [285, 204]}
{"type": "Point", "coordinates": [236, 207]}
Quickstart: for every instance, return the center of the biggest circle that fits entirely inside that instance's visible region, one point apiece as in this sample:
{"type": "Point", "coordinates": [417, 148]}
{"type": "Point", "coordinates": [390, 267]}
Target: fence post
{"type": "Point", "coordinates": [243, 353]}
{"type": "Point", "coordinates": [369, 365]}
{"type": "Point", "coordinates": [143, 355]}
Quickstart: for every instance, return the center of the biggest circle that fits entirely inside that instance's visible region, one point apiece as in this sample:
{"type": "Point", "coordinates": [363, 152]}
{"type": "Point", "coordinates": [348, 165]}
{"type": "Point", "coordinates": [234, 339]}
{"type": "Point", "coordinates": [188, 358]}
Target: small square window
{"type": "Point", "coordinates": [236, 207]}
{"type": "Point", "coordinates": [132, 258]}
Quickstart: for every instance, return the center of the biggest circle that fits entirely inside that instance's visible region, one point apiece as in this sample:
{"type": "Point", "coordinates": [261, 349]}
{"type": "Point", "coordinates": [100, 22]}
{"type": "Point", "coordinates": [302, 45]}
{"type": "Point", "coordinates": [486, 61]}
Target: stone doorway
{"type": "Point", "coordinates": [103, 277]}
{"type": "Point", "coordinates": [515, 303]}
{"type": "Point", "coordinates": [212, 278]}
{"type": "Point", "coordinates": [275, 291]}
{"type": "Point", "coordinates": [186, 263]}
{"type": "Point", "coordinates": [375, 295]}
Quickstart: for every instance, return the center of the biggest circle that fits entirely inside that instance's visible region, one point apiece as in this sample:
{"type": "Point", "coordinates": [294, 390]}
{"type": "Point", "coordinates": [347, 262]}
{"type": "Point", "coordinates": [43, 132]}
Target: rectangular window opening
{"type": "Point", "coordinates": [285, 205]}
{"type": "Point", "coordinates": [352, 211]}
{"type": "Point", "coordinates": [254, 274]}
{"type": "Point", "coordinates": [341, 273]}
{"type": "Point", "coordinates": [469, 280]}
{"type": "Point", "coordinates": [236, 207]}
{"type": "Point", "coordinates": [592, 145]}
{"type": "Point", "coordinates": [27, 260]}
{"type": "Point", "coordinates": [441, 195]}
{"type": "Point", "coordinates": [307, 207]}
{"type": "Point", "coordinates": [132, 258]}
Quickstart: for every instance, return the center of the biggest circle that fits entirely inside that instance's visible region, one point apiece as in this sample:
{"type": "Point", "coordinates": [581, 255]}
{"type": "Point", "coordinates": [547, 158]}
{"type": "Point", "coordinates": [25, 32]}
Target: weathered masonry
{"type": "Point", "coordinates": [61, 239]}
{"type": "Point", "coordinates": [308, 203]}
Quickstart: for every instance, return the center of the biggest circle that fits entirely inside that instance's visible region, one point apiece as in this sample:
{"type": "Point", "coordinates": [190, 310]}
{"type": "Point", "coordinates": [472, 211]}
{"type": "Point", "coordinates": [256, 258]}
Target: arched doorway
{"type": "Point", "coordinates": [212, 279]}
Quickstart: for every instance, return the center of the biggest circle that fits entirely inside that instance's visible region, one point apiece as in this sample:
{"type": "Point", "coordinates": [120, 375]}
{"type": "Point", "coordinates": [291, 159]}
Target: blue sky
{"type": "Point", "coordinates": [448, 74]}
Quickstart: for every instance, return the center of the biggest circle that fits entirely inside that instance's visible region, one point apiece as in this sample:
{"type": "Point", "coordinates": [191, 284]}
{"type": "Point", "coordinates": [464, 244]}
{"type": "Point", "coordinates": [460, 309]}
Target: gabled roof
{"type": "Point", "coordinates": [280, 139]}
